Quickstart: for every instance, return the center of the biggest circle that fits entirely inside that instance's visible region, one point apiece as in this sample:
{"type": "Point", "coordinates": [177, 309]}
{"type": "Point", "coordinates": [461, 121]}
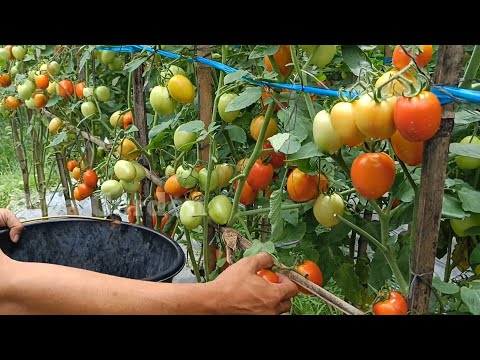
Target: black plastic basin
{"type": "Point", "coordinates": [113, 248]}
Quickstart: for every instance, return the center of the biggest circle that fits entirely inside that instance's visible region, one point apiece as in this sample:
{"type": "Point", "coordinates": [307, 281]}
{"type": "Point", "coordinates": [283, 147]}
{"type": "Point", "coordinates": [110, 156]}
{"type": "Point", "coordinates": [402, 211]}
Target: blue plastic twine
{"type": "Point", "coordinates": [446, 94]}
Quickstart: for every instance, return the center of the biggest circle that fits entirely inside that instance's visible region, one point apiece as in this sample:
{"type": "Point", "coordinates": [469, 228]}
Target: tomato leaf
{"type": "Point", "coordinates": [236, 133]}
{"type": "Point", "coordinates": [290, 215]}
{"type": "Point", "coordinates": [85, 57]}
{"type": "Point", "coordinates": [131, 129]}
{"type": "Point", "coordinates": [380, 271]}
{"type": "Point", "coordinates": [452, 207]}
{"type": "Point", "coordinates": [355, 59]}
{"type": "Point", "coordinates": [326, 261]}
{"type": "Point", "coordinates": [235, 76]}
{"type": "Point", "coordinates": [53, 100]}
{"type": "Point", "coordinates": [258, 247]}
{"type": "Point", "coordinates": [471, 150]}
{"type": "Point", "coordinates": [348, 281]}
{"type": "Point", "coordinates": [470, 200]}
{"type": "Point", "coordinates": [246, 98]}
{"type": "Point", "coordinates": [157, 129]}
{"type": "Point", "coordinates": [293, 121]}
{"type": "Point", "coordinates": [275, 215]}
{"type": "Point", "coordinates": [443, 287]}
{"type": "Point", "coordinates": [192, 126]}
{"type": "Point", "coordinates": [285, 143]}
{"type": "Point", "coordinates": [403, 259]}
{"type": "Point", "coordinates": [261, 50]}
{"type": "Point", "coordinates": [406, 193]}
{"type": "Point", "coordinates": [471, 298]}
{"type": "Point", "coordinates": [466, 117]}
{"type": "Point", "coordinates": [475, 256]}
{"type": "Point", "coordinates": [60, 138]}
{"type": "Point", "coordinates": [115, 81]}
{"type": "Point", "coordinates": [131, 66]}
{"type": "Point", "coordinates": [292, 234]}
{"type": "Point", "coordinates": [48, 50]}
{"type": "Point", "coordinates": [306, 151]}
{"type": "Point", "coordinates": [340, 231]}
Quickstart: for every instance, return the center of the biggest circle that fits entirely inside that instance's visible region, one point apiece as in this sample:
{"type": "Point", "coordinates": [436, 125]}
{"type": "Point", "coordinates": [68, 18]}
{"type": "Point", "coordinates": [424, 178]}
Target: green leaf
{"type": "Point", "coordinates": [355, 59]}
{"type": "Point", "coordinates": [380, 271]}
{"type": "Point", "coordinates": [131, 130]}
{"type": "Point", "coordinates": [60, 138]}
{"type": "Point", "coordinates": [306, 151]}
{"type": "Point", "coordinates": [471, 150]}
{"type": "Point", "coordinates": [470, 200]}
{"type": "Point", "coordinates": [85, 57]}
{"type": "Point", "coordinates": [285, 143]}
{"type": "Point", "coordinates": [236, 133]}
{"type": "Point", "coordinates": [290, 215]}
{"type": "Point", "coordinates": [348, 281]}
{"type": "Point", "coordinates": [367, 47]}
{"type": "Point", "coordinates": [53, 100]}
{"type": "Point", "coordinates": [406, 193]}
{"type": "Point", "coordinates": [246, 98]}
{"type": "Point", "coordinates": [131, 66]}
{"type": "Point", "coordinates": [269, 247]}
{"type": "Point", "coordinates": [475, 256]}
{"type": "Point", "coordinates": [192, 126]}
{"type": "Point", "coordinates": [326, 261]}
{"type": "Point", "coordinates": [474, 230]}
{"type": "Point", "coordinates": [452, 207]}
{"type": "Point", "coordinates": [443, 287]}
{"type": "Point", "coordinates": [49, 49]}
{"type": "Point", "coordinates": [466, 117]}
{"type": "Point", "coordinates": [115, 81]}
{"type": "Point", "coordinates": [261, 50]}
{"type": "Point", "coordinates": [157, 129]}
{"type": "Point", "coordinates": [235, 76]}
{"type": "Point", "coordinates": [274, 215]}
{"type": "Point", "coordinates": [292, 233]}
{"type": "Point", "coordinates": [471, 298]}
{"type": "Point", "coordinates": [256, 247]}
{"type": "Point", "coordinates": [340, 231]}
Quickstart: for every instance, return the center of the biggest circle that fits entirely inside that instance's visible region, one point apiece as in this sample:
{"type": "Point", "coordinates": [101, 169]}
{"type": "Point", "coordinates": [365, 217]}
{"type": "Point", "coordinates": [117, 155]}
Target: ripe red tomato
{"type": "Point", "coordinates": [268, 275]}
{"type": "Point", "coordinates": [418, 118]}
{"type": "Point", "coordinates": [395, 304]}
{"type": "Point", "coordinates": [65, 88]}
{"type": "Point", "coordinates": [277, 160]}
{"type": "Point", "coordinates": [248, 195]}
{"type": "Point", "coordinates": [401, 60]}
{"type": "Point", "coordinates": [90, 178]}
{"type": "Point", "coordinates": [373, 174]}
{"type": "Point", "coordinates": [302, 187]}
{"type": "Point", "coordinates": [282, 58]}
{"type": "Point", "coordinates": [312, 272]}
{"type": "Point", "coordinates": [84, 190]}
{"type": "Point", "coordinates": [260, 175]}
{"type": "Point", "coordinates": [72, 164]}
{"type": "Point", "coordinates": [411, 153]}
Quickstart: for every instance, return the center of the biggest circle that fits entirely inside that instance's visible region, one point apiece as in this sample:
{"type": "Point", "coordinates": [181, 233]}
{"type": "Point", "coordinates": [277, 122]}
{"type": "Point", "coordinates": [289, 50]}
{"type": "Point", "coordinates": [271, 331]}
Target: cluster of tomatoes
{"type": "Point", "coordinates": [86, 181]}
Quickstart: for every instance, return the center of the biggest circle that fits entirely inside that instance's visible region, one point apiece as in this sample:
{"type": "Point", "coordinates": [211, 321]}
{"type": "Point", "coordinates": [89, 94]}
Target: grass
{"type": "Point", "coordinates": [312, 305]}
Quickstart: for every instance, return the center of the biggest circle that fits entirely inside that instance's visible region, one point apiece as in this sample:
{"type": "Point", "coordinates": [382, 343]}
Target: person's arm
{"type": "Point", "coordinates": [35, 288]}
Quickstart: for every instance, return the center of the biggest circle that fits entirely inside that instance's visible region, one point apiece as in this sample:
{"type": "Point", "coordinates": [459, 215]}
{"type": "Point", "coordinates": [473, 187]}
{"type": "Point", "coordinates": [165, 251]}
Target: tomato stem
{"type": "Point", "coordinates": [472, 68]}
{"type": "Point", "coordinates": [245, 227]}
{"type": "Point", "coordinates": [266, 210]}
{"type": "Point", "coordinates": [251, 161]}
{"type": "Point", "coordinates": [192, 255]}
{"type": "Point", "coordinates": [303, 78]}
{"type": "Point", "coordinates": [408, 176]}
{"type": "Point", "coordinates": [394, 77]}
{"type": "Point", "coordinates": [366, 234]}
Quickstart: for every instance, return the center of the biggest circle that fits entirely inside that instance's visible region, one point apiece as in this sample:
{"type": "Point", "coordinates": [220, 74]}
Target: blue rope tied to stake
{"type": "Point", "coordinates": [446, 94]}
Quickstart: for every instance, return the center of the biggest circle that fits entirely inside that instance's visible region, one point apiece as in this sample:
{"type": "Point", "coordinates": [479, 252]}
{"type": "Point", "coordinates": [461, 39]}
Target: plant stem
{"type": "Point", "coordinates": [448, 265]}
{"type": "Point", "coordinates": [266, 210]}
{"type": "Point", "coordinates": [363, 232]}
{"type": "Point", "coordinates": [251, 161]}
{"type": "Point", "coordinates": [211, 146]}
{"type": "Point", "coordinates": [245, 227]}
{"type": "Point", "coordinates": [408, 176]}
{"type": "Point", "coordinates": [303, 78]}
{"type": "Point", "coordinates": [192, 255]}
{"type": "Point", "coordinates": [471, 69]}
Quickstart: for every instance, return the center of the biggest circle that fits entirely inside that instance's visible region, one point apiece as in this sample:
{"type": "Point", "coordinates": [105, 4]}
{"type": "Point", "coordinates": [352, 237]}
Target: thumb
{"type": "Point", "coordinates": [15, 233]}
{"type": "Point", "coordinates": [261, 261]}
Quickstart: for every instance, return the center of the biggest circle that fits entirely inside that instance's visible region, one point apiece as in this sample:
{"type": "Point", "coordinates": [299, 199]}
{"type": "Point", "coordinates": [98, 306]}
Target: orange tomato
{"type": "Point", "coordinates": [84, 190]}
{"type": "Point", "coordinates": [76, 173]}
{"type": "Point", "coordinates": [40, 101]}
{"type": "Point", "coordinates": [266, 94]}
{"type": "Point", "coordinates": [411, 153]}
{"type": "Point", "coordinates": [127, 119]}
{"type": "Point", "coordinates": [173, 187]}
{"type": "Point", "coordinates": [5, 80]}
{"type": "Point", "coordinates": [11, 103]}
{"type": "Point", "coordinates": [42, 81]}
{"type": "Point", "coordinates": [65, 89]}
{"type": "Point", "coordinates": [256, 126]}
{"type": "Point", "coordinates": [72, 164]}
{"type": "Point", "coordinates": [282, 58]}
{"type": "Point", "coordinates": [79, 89]}
{"type": "Point", "coordinates": [401, 60]}
{"type": "Point", "coordinates": [248, 195]}
{"type": "Point", "coordinates": [131, 211]}
{"type": "Point", "coordinates": [161, 196]}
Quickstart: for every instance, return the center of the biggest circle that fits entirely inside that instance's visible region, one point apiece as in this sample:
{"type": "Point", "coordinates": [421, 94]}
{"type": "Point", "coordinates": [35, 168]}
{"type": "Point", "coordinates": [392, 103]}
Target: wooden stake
{"type": "Point", "coordinates": [435, 155]}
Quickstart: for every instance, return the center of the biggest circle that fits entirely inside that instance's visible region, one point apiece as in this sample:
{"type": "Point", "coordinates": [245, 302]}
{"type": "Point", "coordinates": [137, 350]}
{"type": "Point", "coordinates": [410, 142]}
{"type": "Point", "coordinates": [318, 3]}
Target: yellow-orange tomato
{"type": "Point", "coordinates": [256, 126]}
{"type": "Point", "coordinates": [173, 187]}
{"type": "Point", "coordinates": [375, 120]}
{"type": "Point", "coordinates": [127, 146]}
{"type": "Point", "coordinates": [242, 163]}
{"type": "Point", "coordinates": [79, 89]}
{"type": "Point", "coordinates": [40, 101]}
{"type": "Point", "coordinates": [42, 81]}
{"type": "Point", "coordinates": [302, 187]}
{"type": "Point", "coordinates": [282, 58]}
{"type": "Point", "coordinates": [401, 60]}
{"type": "Point", "coordinates": [76, 173]}
{"type": "Point", "coordinates": [411, 153]}
{"type": "Point", "coordinates": [394, 87]}
{"type": "Point", "coordinates": [343, 123]}
{"type": "Point", "coordinates": [5, 80]}
{"type": "Point", "coordinates": [11, 103]}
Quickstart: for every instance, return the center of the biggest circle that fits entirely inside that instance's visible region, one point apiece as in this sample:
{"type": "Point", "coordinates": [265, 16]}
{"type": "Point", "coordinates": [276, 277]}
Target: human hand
{"type": "Point", "coordinates": [242, 291]}
{"type": "Point", "coordinates": [8, 219]}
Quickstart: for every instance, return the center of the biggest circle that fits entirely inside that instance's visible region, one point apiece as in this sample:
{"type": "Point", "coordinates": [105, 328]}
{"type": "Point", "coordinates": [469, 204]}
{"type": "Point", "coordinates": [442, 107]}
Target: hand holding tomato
{"type": "Point", "coordinates": [248, 293]}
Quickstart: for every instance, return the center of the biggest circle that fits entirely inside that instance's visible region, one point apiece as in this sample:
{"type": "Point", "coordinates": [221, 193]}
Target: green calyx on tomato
{"type": "Point", "coordinates": [223, 102]}
{"type": "Point", "coordinates": [202, 179]}
{"type": "Point", "coordinates": [124, 170]}
{"type": "Point", "coordinates": [187, 176]}
{"type": "Point", "coordinates": [112, 189]}
{"type": "Point", "coordinates": [219, 209]}
{"type": "Point", "coordinates": [191, 214]}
